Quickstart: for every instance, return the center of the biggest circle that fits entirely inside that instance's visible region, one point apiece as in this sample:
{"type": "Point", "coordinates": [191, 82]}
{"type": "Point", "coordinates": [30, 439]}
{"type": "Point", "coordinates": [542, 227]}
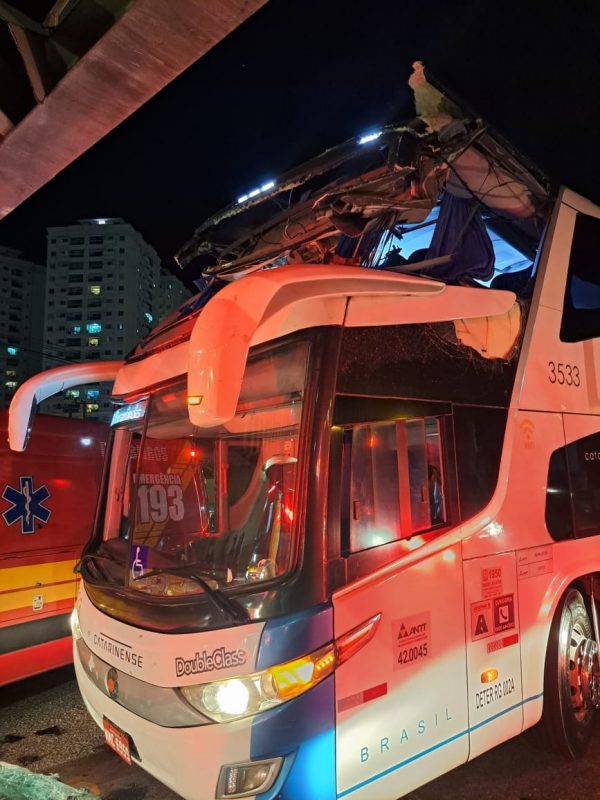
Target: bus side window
{"type": "Point", "coordinates": [425, 473]}
{"type": "Point", "coordinates": [559, 519]}
{"type": "Point", "coordinates": [573, 489]}
{"type": "Point", "coordinates": [479, 436]}
{"type": "Point", "coordinates": [396, 481]}
{"type": "Point", "coordinates": [584, 477]}
{"type": "Point", "coordinates": [374, 498]}
{"type": "Point", "coordinates": [581, 307]}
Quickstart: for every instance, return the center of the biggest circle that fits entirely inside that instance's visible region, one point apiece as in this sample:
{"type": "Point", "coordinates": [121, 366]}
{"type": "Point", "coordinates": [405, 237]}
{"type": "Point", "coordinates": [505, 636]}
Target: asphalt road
{"type": "Point", "coordinates": [44, 727]}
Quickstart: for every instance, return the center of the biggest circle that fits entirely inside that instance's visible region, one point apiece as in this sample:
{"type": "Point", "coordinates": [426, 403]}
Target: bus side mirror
{"type": "Point", "coordinates": [44, 385]}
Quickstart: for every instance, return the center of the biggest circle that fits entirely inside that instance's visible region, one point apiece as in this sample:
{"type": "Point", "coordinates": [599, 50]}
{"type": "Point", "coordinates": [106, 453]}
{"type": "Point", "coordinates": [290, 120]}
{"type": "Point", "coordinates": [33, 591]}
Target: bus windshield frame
{"type": "Point", "coordinates": [214, 507]}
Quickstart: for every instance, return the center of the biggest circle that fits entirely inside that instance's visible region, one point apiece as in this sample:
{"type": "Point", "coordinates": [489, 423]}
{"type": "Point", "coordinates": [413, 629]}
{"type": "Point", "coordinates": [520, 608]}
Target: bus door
{"type": "Point", "coordinates": [493, 651]}
{"type": "Point", "coordinates": [401, 700]}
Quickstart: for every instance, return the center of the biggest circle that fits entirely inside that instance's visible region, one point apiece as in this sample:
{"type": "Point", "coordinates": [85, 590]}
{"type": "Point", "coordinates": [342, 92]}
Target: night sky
{"type": "Point", "coordinates": [301, 76]}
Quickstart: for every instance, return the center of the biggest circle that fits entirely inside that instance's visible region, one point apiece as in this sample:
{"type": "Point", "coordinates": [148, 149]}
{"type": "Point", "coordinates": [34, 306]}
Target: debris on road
{"type": "Point", "coordinates": [17, 783]}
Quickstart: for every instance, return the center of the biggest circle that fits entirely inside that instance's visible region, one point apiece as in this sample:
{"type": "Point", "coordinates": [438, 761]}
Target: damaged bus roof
{"type": "Point", "coordinates": [357, 202]}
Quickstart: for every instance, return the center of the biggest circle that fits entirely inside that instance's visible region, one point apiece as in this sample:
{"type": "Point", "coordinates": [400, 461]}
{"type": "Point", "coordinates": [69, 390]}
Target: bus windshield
{"type": "Point", "coordinates": [187, 505]}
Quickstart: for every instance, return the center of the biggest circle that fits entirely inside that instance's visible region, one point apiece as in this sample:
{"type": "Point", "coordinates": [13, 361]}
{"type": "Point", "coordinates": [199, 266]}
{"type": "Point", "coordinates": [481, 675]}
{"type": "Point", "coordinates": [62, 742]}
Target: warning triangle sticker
{"type": "Point", "coordinates": [480, 627]}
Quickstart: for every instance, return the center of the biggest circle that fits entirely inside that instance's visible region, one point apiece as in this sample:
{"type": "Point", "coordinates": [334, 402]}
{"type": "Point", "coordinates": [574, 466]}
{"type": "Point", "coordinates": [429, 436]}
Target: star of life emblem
{"type": "Point", "coordinates": [26, 504]}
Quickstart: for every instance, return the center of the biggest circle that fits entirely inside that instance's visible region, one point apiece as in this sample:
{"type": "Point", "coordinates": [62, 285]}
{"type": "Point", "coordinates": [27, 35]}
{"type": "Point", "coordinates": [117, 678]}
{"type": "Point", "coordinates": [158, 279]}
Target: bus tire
{"type": "Point", "coordinates": [566, 724]}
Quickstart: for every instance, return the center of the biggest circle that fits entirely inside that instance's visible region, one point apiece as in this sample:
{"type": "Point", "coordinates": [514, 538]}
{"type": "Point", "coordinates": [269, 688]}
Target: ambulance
{"type": "Point", "coordinates": [346, 536]}
{"type": "Point", "coordinates": [47, 499]}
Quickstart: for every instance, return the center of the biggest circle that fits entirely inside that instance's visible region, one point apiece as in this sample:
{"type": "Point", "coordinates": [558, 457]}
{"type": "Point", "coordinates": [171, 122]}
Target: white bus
{"type": "Point", "coordinates": [347, 532]}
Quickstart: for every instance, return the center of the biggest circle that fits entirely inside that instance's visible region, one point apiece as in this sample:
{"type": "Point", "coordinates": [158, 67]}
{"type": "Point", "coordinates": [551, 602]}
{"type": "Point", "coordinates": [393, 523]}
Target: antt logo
{"type": "Point", "coordinates": [26, 504]}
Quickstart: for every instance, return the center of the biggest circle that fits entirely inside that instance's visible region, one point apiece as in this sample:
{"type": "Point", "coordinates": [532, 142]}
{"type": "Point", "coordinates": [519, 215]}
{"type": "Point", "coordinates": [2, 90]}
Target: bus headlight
{"type": "Point", "coordinates": [245, 695]}
{"type": "Point", "coordinates": [75, 629]}
{"type": "Point", "coordinates": [235, 698]}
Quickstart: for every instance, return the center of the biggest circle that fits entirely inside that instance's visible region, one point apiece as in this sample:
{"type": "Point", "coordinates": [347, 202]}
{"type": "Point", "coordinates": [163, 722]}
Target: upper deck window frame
{"type": "Point", "coordinates": [581, 306]}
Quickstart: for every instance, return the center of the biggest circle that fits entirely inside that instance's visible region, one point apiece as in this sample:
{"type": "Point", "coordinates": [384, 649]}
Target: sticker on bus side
{"type": "Point", "coordinates": [492, 616]}
{"type": "Point", "coordinates": [504, 613]}
{"type": "Point", "coordinates": [494, 692]}
{"type": "Point", "coordinates": [412, 639]}
{"type": "Point", "coordinates": [500, 644]}
{"type": "Point", "coordinates": [491, 582]}
{"type": "Point", "coordinates": [534, 561]}
{"type": "Point", "coordinates": [481, 620]}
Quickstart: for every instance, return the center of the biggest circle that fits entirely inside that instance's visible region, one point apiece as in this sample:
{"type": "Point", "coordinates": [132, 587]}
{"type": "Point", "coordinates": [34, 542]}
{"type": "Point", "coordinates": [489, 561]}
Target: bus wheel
{"type": "Point", "coordinates": [567, 722]}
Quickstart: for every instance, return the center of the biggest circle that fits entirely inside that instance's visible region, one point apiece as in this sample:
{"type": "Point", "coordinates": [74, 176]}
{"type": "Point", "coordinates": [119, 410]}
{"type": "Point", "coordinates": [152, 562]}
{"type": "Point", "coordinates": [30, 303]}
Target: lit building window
{"type": "Point", "coordinates": [11, 373]}
{"type": "Point", "coordinates": [93, 327]}
{"type": "Point", "coordinates": [72, 394]}
{"type": "Point", "coordinates": [11, 384]}
{"type": "Point", "coordinates": [91, 407]}
{"type": "Point", "coordinates": [93, 341]}
{"type": "Point", "coordinates": [75, 329]}
{"type": "Point", "coordinates": [148, 316]}
{"type": "Point", "coordinates": [94, 289]}
{"type": "Point", "coordinates": [92, 394]}
{"type": "Point", "coordinates": [12, 351]}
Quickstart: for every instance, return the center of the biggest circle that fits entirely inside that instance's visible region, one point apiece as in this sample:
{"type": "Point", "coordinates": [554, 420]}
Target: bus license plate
{"type": "Point", "coordinates": [117, 740]}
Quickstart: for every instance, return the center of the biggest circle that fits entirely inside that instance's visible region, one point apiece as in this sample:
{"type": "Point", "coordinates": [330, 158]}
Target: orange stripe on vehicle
{"type": "Point", "coordinates": [37, 586]}
{"type": "Point", "coordinates": [27, 614]}
{"type": "Point", "coordinates": [25, 597]}
{"type": "Point", "coordinates": [41, 574]}
{"type": "Point", "coordinates": [56, 555]}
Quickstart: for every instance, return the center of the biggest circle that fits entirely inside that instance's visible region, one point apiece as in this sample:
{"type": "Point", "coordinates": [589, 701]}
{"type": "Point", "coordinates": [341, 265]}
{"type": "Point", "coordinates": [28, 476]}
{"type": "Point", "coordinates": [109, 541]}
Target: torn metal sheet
{"type": "Point", "coordinates": [378, 202]}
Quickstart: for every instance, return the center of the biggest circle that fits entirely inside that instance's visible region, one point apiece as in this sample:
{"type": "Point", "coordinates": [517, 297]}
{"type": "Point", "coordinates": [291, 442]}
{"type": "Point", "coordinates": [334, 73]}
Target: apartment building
{"type": "Point", "coordinates": [22, 286]}
{"type": "Point", "coordinates": [171, 295]}
{"type": "Point", "coordinates": [105, 290]}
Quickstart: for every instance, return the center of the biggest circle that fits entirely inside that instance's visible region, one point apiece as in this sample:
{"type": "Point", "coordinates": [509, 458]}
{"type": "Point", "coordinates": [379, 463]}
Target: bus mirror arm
{"type": "Point", "coordinates": [46, 384]}
{"type": "Point", "coordinates": [226, 329]}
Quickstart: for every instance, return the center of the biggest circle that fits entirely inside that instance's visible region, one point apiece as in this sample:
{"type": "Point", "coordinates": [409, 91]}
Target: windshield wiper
{"type": "Point", "coordinates": [92, 558]}
{"type": "Point", "coordinates": [225, 605]}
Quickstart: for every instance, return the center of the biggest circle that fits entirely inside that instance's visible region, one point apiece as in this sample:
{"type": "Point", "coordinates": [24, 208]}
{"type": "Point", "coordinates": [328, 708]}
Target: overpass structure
{"type": "Point", "coordinates": [72, 70]}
